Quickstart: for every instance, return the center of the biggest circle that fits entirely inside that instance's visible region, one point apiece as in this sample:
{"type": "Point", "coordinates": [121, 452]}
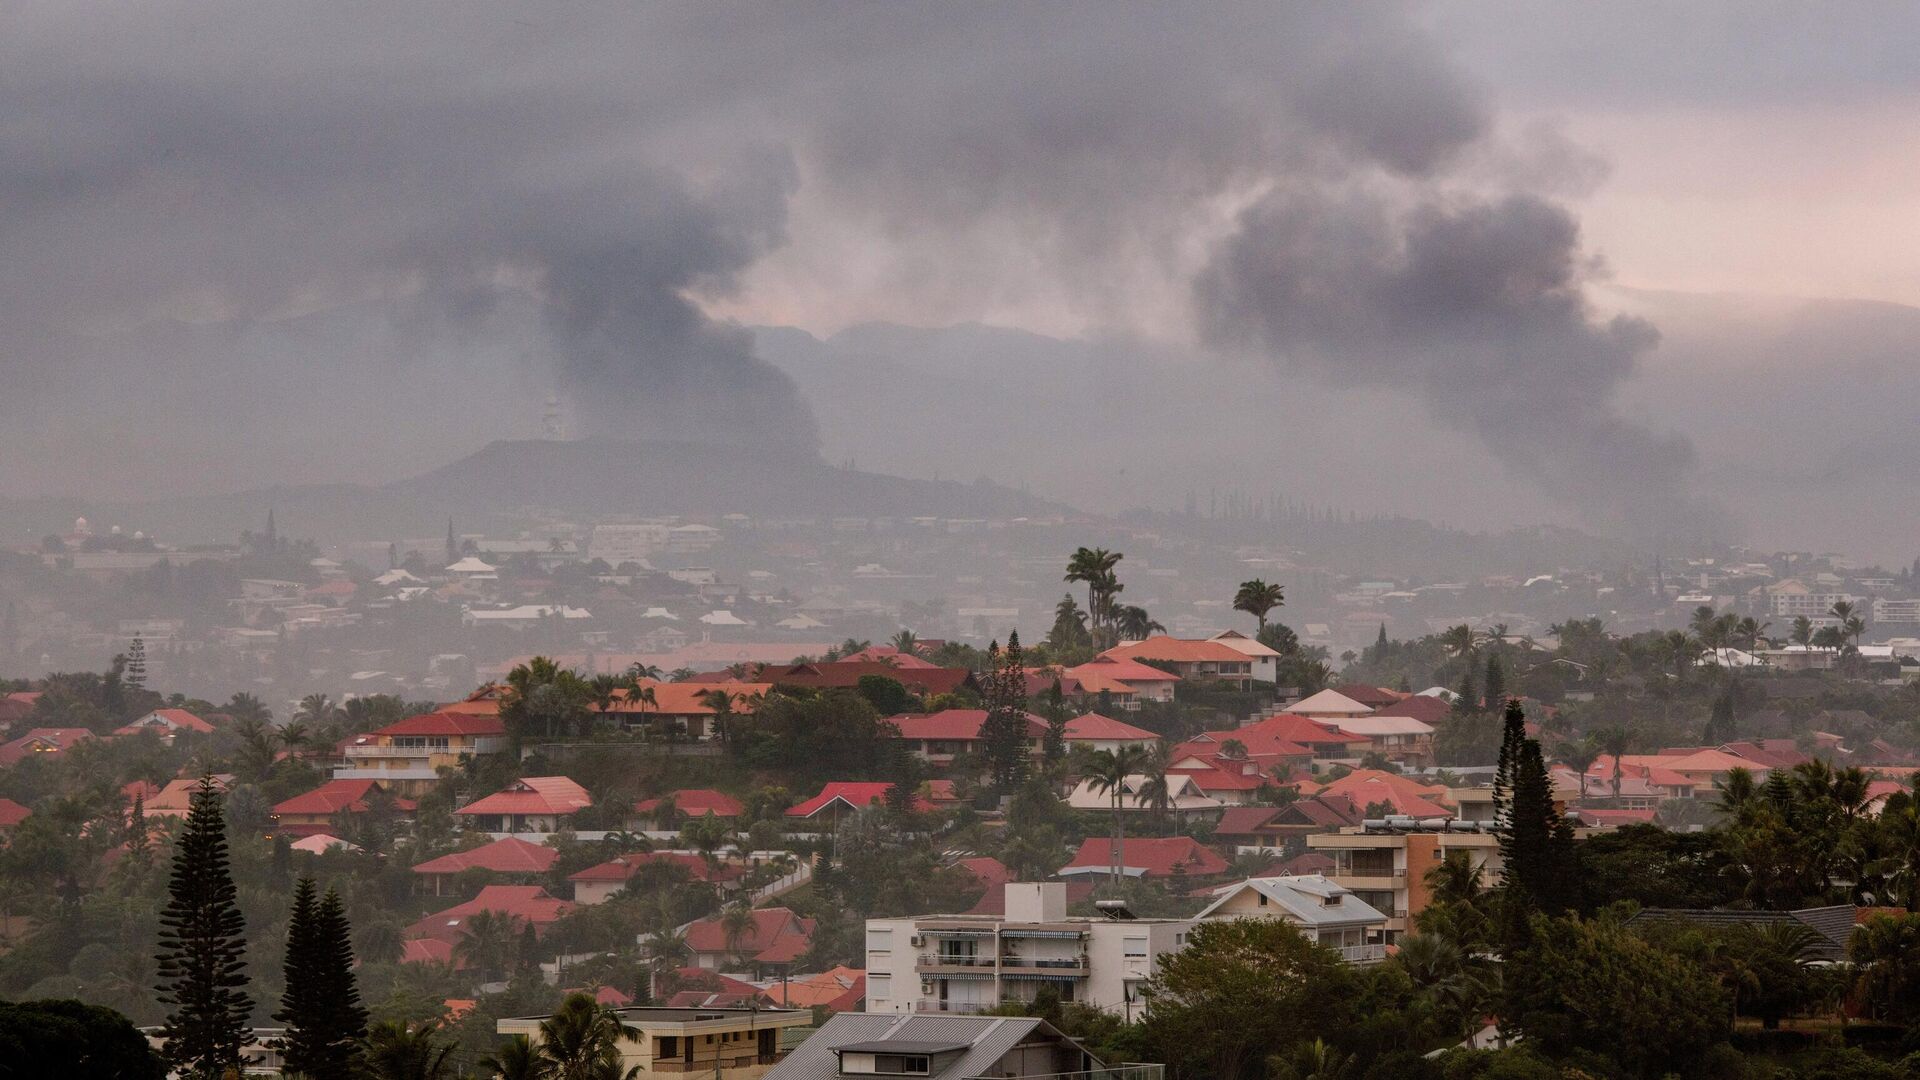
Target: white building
{"type": "Point", "coordinates": [1325, 911]}
{"type": "Point", "coordinates": [1902, 612]}
{"type": "Point", "coordinates": [969, 963]}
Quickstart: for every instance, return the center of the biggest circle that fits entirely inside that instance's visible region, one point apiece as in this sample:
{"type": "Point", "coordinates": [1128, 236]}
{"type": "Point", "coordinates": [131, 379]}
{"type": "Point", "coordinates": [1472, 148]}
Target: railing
{"type": "Point", "coordinates": [927, 962]}
{"type": "Point", "coordinates": [1363, 954]}
{"type": "Point", "coordinates": [1111, 1072]}
{"type": "Point", "coordinates": [1387, 872]}
{"type": "Point", "coordinates": [1061, 963]}
{"type": "Point", "coordinates": [931, 1006]}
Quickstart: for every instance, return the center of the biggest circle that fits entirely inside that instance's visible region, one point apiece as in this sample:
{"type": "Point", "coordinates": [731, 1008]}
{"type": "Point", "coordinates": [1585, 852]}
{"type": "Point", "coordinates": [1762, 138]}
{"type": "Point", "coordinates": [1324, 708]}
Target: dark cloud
{"type": "Point", "coordinates": [591, 175]}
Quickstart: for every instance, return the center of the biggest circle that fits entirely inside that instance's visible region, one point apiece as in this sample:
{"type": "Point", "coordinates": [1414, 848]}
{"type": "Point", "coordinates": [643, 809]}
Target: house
{"type": "Point", "coordinates": [524, 616]}
{"type": "Point", "coordinates": [1832, 926]}
{"type": "Point", "coordinates": [536, 804]}
{"type": "Point", "coordinates": [1390, 792]}
{"type": "Point", "coordinates": [1124, 682]}
{"type": "Point", "coordinates": [42, 742]}
{"type": "Point", "coordinates": [685, 708]}
{"type": "Point", "coordinates": [1183, 795]}
{"type": "Point", "coordinates": [176, 799]}
{"type": "Point", "coordinates": [944, 1048]}
{"type": "Point", "coordinates": [690, 803]}
{"type": "Point", "coordinates": [1204, 660]}
{"type": "Point", "coordinates": [406, 757]}
{"type": "Point", "coordinates": [1325, 911]}
{"type": "Point", "coordinates": [1329, 705]}
{"type": "Point", "coordinates": [1287, 734]}
{"type": "Point", "coordinates": [1397, 738]}
{"type": "Point", "coordinates": [846, 675]}
{"type": "Point", "coordinates": [971, 963]}
{"type": "Point", "coordinates": [599, 883]}
{"type": "Point", "coordinates": [839, 796]}
{"type": "Point", "coordinates": [839, 989]}
{"type": "Point", "coordinates": [742, 1043]}
{"type": "Point", "coordinates": [529, 904]}
{"type": "Point", "coordinates": [509, 857]}
{"type": "Point", "coordinates": [777, 938]}
{"type": "Point", "coordinates": [938, 738]}
{"type": "Point", "coordinates": [1096, 732]}
{"type": "Point", "coordinates": [1427, 709]}
{"type": "Point", "coordinates": [1249, 827]}
{"type": "Point", "coordinates": [1387, 867]}
{"type": "Point", "coordinates": [11, 816]}
{"type": "Point", "coordinates": [330, 807]}
{"type": "Point", "coordinates": [1146, 857]}
{"type": "Point", "coordinates": [167, 723]}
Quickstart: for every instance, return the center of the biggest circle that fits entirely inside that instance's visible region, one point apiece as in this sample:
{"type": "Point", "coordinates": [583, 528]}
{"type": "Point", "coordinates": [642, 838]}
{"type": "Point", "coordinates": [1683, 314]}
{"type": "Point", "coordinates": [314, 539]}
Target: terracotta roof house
{"type": "Point", "coordinates": [838, 797]}
{"type": "Point", "coordinates": [507, 857]}
{"type": "Point", "coordinates": [1097, 732]}
{"type": "Point", "coordinates": [529, 903]}
{"type": "Point", "coordinates": [940, 737]}
{"type": "Point", "coordinates": [1316, 814]}
{"type": "Point", "coordinates": [1263, 737]}
{"type": "Point", "coordinates": [693, 803]}
{"type": "Point", "coordinates": [1125, 682]}
{"type": "Point", "coordinates": [1184, 795]}
{"type": "Point", "coordinates": [776, 940]}
{"type": "Point", "coordinates": [406, 757]}
{"type": "Point", "coordinates": [428, 951]}
{"type": "Point", "coordinates": [176, 799]}
{"type": "Point", "coordinates": [329, 807]}
{"type": "Point", "coordinates": [166, 723]}
{"type": "Point", "coordinates": [1427, 710]}
{"type": "Point", "coordinates": [1329, 705]}
{"type": "Point", "coordinates": [11, 815]}
{"type": "Point", "coordinates": [824, 989]}
{"type": "Point", "coordinates": [1373, 697]}
{"type": "Point", "coordinates": [42, 742]}
{"type": "Point", "coordinates": [1146, 856]}
{"type": "Point", "coordinates": [596, 884]}
{"type": "Point", "coordinates": [686, 708]}
{"type": "Point", "coordinates": [1398, 738]}
{"type": "Point", "coordinates": [538, 804]}
{"type": "Point", "coordinates": [1199, 659]}
{"type": "Point", "coordinates": [845, 674]}
{"type": "Point", "coordinates": [1249, 826]}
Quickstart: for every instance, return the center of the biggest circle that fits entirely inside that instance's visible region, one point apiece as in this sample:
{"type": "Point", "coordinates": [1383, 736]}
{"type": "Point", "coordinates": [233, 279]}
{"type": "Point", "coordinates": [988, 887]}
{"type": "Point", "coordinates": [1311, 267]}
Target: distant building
{"type": "Point", "coordinates": [947, 1048]}
{"type": "Point", "coordinates": [1327, 912]}
{"type": "Point", "coordinates": [406, 757]}
{"type": "Point", "coordinates": [729, 1042]}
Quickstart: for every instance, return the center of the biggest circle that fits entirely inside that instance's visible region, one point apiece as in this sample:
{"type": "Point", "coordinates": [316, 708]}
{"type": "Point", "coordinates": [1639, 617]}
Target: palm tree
{"type": "Point", "coordinates": [1257, 598]}
{"type": "Point", "coordinates": [489, 944]}
{"type": "Point", "coordinates": [1107, 773]}
{"type": "Point", "coordinates": [721, 702]}
{"type": "Point", "coordinates": [1316, 1060]}
{"type": "Point", "coordinates": [736, 924]}
{"type": "Point", "coordinates": [517, 1059]}
{"type": "Point", "coordinates": [637, 671]}
{"type": "Point", "coordinates": [1133, 623]}
{"type": "Point", "coordinates": [1579, 755]}
{"type": "Point", "coordinates": [541, 691]}
{"type": "Point", "coordinates": [1156, 786]}
{"type": "Point", "coordinates": [1615, 741]}
{"type": "Point", "coordinates": [396, 1051]}
{"type": "Point", "coordinates": [1851, 624]}
{"type": "Point", "coordinates": [253, 759]}
{"type": "Point", "coordinates": [1094, 567]}
{"type": "Point", "coordinates": [905, 641]}
{"type": "Point", "coordinates": [316, 711]}
{"type": "Point", "coordinates": [581, 1040]}
{"type": "Point", "coordinates": [1459, 641]}
{"type": "Point", "coordinates": [244, 706]}
{"type": "Point", "coordinates": [1802, 633]}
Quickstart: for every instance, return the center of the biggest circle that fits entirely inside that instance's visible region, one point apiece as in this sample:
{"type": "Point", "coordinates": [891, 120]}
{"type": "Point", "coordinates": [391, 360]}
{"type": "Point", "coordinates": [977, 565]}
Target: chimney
{"type": "Point", "coordinates": [1036, 901]}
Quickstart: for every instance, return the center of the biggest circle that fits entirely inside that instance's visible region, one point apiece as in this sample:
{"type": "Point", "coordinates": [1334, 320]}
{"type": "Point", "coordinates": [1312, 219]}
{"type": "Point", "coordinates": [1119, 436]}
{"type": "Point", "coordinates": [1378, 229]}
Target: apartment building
{"type": "Point", "coordinates": [1386, 866]}
{"type": "Point", "coordinates": [406, 758]}
{"type": "Point", "coordinates": [739, 1043]}
{"type": "Point", "coordinates": [969, 963]}
{"type": "Point", "coordinates": [1900, 612]}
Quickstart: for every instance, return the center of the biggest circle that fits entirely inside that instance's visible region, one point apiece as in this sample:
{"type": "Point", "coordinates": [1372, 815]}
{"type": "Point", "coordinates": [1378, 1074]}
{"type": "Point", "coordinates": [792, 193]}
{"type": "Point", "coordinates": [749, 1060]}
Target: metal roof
{"type": "Point", "coordinates": [984, 1040]}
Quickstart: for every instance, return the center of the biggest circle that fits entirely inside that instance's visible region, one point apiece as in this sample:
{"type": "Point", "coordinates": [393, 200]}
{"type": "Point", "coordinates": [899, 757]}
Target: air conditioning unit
{"type": "Point", "coordinates": [926, 986]}
{"type": "Point", "coordinates": [917, 939]}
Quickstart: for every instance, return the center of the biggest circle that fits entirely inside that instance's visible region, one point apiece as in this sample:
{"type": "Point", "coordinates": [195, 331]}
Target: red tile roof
{"type": "Point", "coordinates": [12, 813]}
{"type": "Point", "coordinates": [1244, 820]}
{"type": "Point", "coordinates": [426, 951]}
{"type": "Point", "coordinates": [956, 725]}
{"type": "Point", "coordinates": [1373, 697]}
{"type": "Point", "coordinates": [856, 796]}
{"type": "Point", "coordinates": [778, 936]}
{"type": "Point", "coordinates": [1156, 856]}
{"type": "Point", "coordinates": [1177, 650]}
{"type": "Point", "coordinates": [552, 795]}
{"type": "Point", "coordinates": [988, 871]}
{"type": "Point", "coordinates": [478, 725]}
{"type": "Point", "coordinates": [43, 740]}
{"type": "Point", "coordinates": [696, 802]}
{"type": "Point", "coordinates": [528, 902]}
{"type": "Point", "coordinates": [624, 867]}
{"type": "Point", "coordinates": [1093, 726]}
{"type": "Point", "coordinates": [1221, 779]}
{"type": "Point", "coordinates": [1427, 710]}
{"type": "Point", "coordinates": [333, 797]}
{"type": "Point", "coordinates": [509, 856]}
{"type": "Point", "coordinates": [846, 674]}
{"type": "Point", "coordinates": [1120, 669]}
{"type": "Point", "coordinates": [1269, 735]}
{"type": "Point", "coordinates": [690, 698]}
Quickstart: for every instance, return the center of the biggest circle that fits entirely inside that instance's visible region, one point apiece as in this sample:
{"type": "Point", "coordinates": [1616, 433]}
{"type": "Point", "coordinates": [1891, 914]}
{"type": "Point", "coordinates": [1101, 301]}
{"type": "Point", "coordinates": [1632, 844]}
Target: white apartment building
{"type": "Point", "coordinates": [1902, 612]}
{"type": "Point", "coordinates": [969, 963]}
{"type": "Point", "coordinates": [1792, 599]}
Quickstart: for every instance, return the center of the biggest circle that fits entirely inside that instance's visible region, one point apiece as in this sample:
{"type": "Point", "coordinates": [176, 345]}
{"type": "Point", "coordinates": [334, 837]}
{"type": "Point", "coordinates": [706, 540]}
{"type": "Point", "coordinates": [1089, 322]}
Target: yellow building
{"type": "Point", "coordinates": [405, 758]}
{"type": "Point", "coordinates": [738, 1043]}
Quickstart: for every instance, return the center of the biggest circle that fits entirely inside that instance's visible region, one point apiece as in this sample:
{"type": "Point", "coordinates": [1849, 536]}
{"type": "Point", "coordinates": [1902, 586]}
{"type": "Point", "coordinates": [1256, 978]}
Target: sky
{"type": "Point", "coordinates": [250, 245]}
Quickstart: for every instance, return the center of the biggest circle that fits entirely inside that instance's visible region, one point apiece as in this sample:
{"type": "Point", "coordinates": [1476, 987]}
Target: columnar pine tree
{"type": "Point", "coordinates": [1536, 842]}
{"type": "Point", "coordinates": [136, 675]}
{"type": "Point", "coordinates": [139, 841]}
{"type": "Point", "coordinates": [1495, 682]}
{"type": "Point", "coordinates": [344, 1019]}
{"type": "Point", "coordinates": [300, 1003]}
{"type": "Point", "coordinates": [202, 952]}
{"type": "Point", "coordinates": [1004, 732]}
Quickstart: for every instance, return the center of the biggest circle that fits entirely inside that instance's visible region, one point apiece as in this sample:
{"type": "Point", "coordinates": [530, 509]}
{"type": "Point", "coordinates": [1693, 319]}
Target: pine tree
{"type": "Point", "coordinates": [301, 1004]}
{"type": "Point", "coordinates": [1054, 748]}
{"type": "Point", "coordinates": [1468, 702]}
{"type": "Point", "coordinates": [1536, 842]}
{"type": "Point", "coordinates": [343, 1021]}
{"type": "Point", "coordinates": [136, 674]}
{"type": "Point", "coordinates": [202, 951]}
{"type": "Point", "coordinates": [139, 841]}
{"type": "Point", "coordinates": [1003, 734]}
{"type": "Point", "coordinates": [1495, 682]}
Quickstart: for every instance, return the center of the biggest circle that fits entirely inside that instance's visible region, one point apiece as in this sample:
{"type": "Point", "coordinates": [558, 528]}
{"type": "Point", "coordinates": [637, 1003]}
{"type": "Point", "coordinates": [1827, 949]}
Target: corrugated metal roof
{"type": "Point", "coordinates": [988, 1039]}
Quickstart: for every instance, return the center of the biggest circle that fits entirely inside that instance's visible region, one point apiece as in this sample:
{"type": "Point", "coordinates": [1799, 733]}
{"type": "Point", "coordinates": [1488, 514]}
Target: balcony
{"type": "Point", "coordinates": [928, 1005]}
{"type": "Point", "coordinates": [1363, 954]}
{"type": "Point", "coordinates": [1044, 965]}
{"type": "Point", "coordinates": [395, 751]}
{"type": "Point", "coordinates": [350, 773]}
{"type": "Point", "coordinates": [953, 965]}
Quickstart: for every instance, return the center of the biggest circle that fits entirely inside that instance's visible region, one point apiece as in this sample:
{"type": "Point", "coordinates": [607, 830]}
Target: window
{"type": "Point", "coordinates": [879, 987]}
{"type": "Point", "coordinates": [1263, 899]}
{"type": "Point", "coordinates": [901, 1064]}
{"type": "Point", "coordinates": [669, 1047]}
{"type": "Point", "coordinates": [1135, 948]}
{"type": "Point", "coordinates": [879, 941]}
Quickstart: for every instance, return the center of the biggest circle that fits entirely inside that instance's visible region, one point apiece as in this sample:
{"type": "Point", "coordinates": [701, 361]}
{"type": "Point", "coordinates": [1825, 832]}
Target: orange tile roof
{"type": "Point", "coordinates": [555, 795]}
{"type": "Point", "coordinates": [511, 855]}
{"type": "Point", "coordinates": [1177, 650]}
